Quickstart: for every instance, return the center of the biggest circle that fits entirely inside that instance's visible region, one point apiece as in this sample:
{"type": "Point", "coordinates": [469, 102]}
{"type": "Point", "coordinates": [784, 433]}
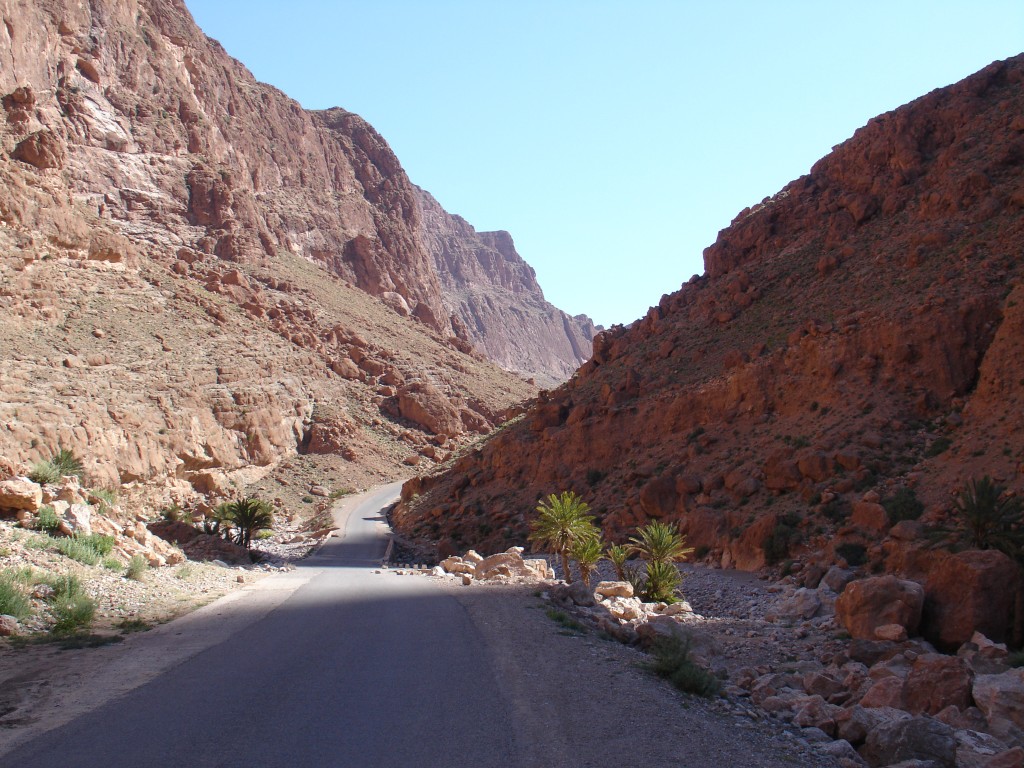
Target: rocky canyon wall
{"type": "Point", "coordinates": [495, 302]}
{"type": "Point", "coordinates": [855, 337]}
{"type": "Point", "coordinates": [200, 277]}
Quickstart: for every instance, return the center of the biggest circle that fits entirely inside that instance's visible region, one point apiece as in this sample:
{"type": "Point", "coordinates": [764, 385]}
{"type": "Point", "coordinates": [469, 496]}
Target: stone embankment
{"type": "Point", "coordinates": [841, 664]}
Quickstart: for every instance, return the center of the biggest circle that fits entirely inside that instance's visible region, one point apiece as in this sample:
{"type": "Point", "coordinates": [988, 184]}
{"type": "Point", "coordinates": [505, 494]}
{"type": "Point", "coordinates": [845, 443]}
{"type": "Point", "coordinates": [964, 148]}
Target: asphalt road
{"type": "Point", "coordinates": [353, 669]}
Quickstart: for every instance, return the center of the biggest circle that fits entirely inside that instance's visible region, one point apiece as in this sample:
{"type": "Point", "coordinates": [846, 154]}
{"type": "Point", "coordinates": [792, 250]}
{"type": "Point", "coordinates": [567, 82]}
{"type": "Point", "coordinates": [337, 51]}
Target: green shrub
{"type": "Point", "coordinates": [77, 549]}
{"type": "Point", "coordinates": [617, 555]}
{"type": "Point", "coordinates": [44, 472]}
{"type": "Point", "coordinates": [937, 446]}
{"type": "Point", "coordinates": [62, 463]}
{"type": "Point", "coordinates": [112, 564]}
{"type": "Point", "coordinates": [1015, 659]}
{"type": "Point", "coordinates": [837, 510]}
{"type": "Point", "coordinates": [672, 661]}
{"type": "Point", "coordinates": [853, 554]}
{"type": "Point", "coordinates": [659, 584]}
{"type": "Point", "coordinates": [88, 550]}
{"type": "Point", "coordinates": [127, 626]}
{"type": "Point", "coordinates": [73, 614]}
{"type": "Point", "coordinates": [47, 520]}
{"type": "Point", "coordinates": [264, 534]}
{"type": "Point", "coordinates": [172, 514]}
{"type": "Point", "coordinates": [101, 544]}
{"type": "Point", "coordinates": [136, 568]}
{"type": "Point", "coordinates": [13, 600]}
{"type": "Point", "coordinates": [565, 620]}
{"type": "Point", "coordinates": [72, 608]}
{"type": "Point", "coordinates": [903, 505]}
{"type": "Point", "coordinates": [781, 538]}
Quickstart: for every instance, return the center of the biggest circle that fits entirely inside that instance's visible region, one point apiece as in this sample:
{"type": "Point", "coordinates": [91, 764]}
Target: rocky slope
{"type": "Point", "coordinates": [495, 302]}
{"type": "Point", "coordinates": [857, 334]}
{"type": "Point", "coordinates": [198, 277]}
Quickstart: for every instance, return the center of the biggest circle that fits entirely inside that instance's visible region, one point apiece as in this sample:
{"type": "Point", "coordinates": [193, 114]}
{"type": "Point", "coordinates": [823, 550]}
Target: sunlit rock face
{"type": "Point", "coordinates": [860, 332]}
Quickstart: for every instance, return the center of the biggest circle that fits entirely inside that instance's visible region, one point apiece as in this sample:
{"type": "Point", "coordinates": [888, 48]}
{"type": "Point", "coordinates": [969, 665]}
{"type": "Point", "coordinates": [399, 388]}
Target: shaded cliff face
{"type": "Point", "coordinates": [495, 301]}
{"type": "Point", "coordinates": [188, 266]}
{"type": "Point", "coordinates": [858, 333]}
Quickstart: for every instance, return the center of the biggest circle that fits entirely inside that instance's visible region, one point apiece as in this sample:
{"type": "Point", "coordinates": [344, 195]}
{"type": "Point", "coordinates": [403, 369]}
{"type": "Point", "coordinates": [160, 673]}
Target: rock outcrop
{"type": "Point", "coordinates": [850, 359]}
{"type": "Point", "coordinates": [495, 301]}
{"type": "Point", "coordinates": [198, 277]}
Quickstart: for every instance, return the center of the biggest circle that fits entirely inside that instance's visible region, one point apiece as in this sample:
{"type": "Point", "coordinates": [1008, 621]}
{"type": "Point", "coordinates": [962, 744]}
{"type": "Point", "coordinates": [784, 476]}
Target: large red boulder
{"type": "Point", "coordinates": [936, 682]}
{"type": "Point", "coordinates": [973, 591]}
{"type": "Point", "coordinates": [867, 604]}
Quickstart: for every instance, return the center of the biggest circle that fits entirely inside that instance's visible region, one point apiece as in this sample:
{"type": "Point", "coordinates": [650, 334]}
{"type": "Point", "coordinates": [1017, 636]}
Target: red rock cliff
{"type": "Point", "coordinates": [496, 302]}
{"type": "Point", "coordinates": [855, 334]}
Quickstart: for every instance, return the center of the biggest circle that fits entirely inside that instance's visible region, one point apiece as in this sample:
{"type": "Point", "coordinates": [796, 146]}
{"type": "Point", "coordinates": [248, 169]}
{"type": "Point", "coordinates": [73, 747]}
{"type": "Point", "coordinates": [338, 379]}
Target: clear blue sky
{"type": "Point", "coordinates": [612, 139]}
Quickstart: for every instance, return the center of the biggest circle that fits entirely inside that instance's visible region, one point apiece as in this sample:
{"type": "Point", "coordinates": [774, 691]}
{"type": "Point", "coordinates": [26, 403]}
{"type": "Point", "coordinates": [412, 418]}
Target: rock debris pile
{"type": "Point", "coordinates": [840, 664]}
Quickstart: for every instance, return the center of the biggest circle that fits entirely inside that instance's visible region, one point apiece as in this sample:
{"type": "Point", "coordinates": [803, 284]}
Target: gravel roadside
{"type": "Point", "coordinates": [590, 701]}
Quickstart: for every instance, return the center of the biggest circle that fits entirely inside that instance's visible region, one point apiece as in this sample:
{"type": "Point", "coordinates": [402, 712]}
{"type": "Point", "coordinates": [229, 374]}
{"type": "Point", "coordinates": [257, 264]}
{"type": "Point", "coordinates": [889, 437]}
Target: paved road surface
{"type": "Point", "coordinates": [354, 669]}
{"type": "Point", "coordinates": [334, 665]}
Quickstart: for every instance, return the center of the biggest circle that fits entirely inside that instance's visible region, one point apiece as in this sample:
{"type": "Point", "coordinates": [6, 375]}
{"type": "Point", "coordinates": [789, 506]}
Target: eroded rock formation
{"type": "Point", "coordinates": [496, 303]}
{"type": "Point", "coordinates": [855, 343]}
{"type": "Point", "coordinates": [198, 277]}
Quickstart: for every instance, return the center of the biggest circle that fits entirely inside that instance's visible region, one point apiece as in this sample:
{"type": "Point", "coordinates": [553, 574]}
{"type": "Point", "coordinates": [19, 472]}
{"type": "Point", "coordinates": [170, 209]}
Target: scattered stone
{"type": "Point", "coordinates": [917, 738]}
{"type": "Point", "coordinates": [8, 625]}
{"type": "Point", "coordinates": [614, 589]}
{"type": "Point", "coordinates": [893, 632]}
{"type": "Point", "coordinates": [1001, 699]}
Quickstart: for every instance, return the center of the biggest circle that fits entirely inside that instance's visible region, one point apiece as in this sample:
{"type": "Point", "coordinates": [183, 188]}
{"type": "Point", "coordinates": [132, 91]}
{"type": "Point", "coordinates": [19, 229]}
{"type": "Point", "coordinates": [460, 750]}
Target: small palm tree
{"type": "Point", "coordinates": [986, 519]}
{"type": "Point", "coordinates": [218, 521]}
{"type": "Point", "coordinates": [662, 583]}
{"type": "Point", "coordinates": [249, 515]}
{"type": "Point", "coordinates": [618, 554]}
{"type": "Point", "coordinates": [587, 553]}
{"type": "Point", "coordinates": [561, 522]}
{"type": "Point", "coordinates": [661, 543]}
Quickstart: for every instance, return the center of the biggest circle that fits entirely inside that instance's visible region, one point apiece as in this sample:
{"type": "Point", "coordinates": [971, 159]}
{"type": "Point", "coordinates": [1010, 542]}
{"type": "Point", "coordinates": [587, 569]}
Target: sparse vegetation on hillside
{"type": "Point", "coordinates": [47, 520]}
{"type": "Point", "coordinates": [137, 568]}
{"type": "Point", "coordinates": [72, 608]}
{"type": "Point", "coordinates": [903, 505]}
{"type": "Point", "coordinates": [63, 463]}
{"type": "Point", "coordinates": [13, 600]}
